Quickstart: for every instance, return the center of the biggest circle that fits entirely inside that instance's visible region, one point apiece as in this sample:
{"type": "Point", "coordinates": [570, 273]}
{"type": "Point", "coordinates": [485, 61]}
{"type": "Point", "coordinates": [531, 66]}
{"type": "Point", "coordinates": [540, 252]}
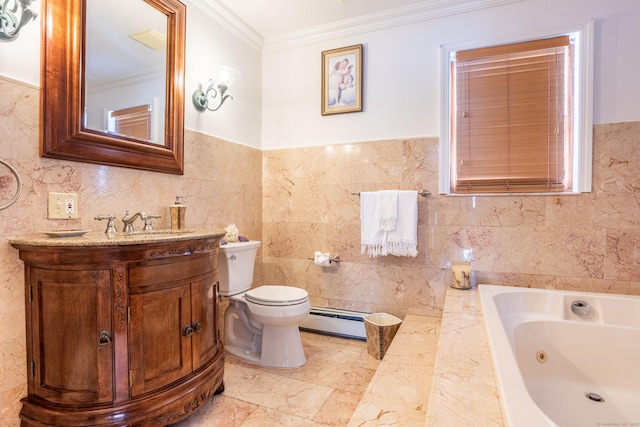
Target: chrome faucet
{"type": "Point", "coordinates": [128, 221]}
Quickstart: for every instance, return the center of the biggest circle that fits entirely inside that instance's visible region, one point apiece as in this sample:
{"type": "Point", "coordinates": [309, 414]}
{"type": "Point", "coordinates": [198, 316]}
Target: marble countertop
{"type": "Point", "coordinates": [118, 239]}
{"type": "Point", "coordinates": [437, 372]}
{"type": "Point", "coordinates": [464, 390]}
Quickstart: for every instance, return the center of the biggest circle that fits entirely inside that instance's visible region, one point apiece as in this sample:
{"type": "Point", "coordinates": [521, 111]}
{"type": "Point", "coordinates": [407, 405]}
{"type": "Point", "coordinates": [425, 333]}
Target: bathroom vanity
{"type": "Point", "coordinates": [121, 330]}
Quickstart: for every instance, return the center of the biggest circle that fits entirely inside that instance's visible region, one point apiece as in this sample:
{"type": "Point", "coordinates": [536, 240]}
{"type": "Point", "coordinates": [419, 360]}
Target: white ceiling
{"type": "Point", "coordinates": [271, 18]}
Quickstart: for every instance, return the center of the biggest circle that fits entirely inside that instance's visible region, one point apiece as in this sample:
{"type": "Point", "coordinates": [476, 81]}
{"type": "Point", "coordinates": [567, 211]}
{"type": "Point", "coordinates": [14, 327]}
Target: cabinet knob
{"type": "Point", "coordinates": [197, 326]}
{"type": "Point", "coordinates": [187, 331]}
{"type": "Point", "coordinates": [104, 338]}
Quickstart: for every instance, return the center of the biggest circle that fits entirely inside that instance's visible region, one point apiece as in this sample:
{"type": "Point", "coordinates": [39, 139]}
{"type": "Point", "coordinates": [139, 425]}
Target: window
{"type": "Point", "coordinates": [134, 122]}
{"type": "Point", "coordinates": [519, 117]}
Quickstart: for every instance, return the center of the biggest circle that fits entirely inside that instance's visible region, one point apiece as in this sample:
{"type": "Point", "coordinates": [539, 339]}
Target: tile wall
{"type": "Point", "coordinates": [586, 242]}
{"type": "Point", "coordinates": [299, 200]}
{"type": "Point", "coordinates": [222, 184]}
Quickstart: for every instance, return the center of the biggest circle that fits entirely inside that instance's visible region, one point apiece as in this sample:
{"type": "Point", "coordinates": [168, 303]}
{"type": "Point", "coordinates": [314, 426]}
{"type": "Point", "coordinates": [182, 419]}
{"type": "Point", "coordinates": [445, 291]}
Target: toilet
{"type": "Point", "coordinates": [261, 324]}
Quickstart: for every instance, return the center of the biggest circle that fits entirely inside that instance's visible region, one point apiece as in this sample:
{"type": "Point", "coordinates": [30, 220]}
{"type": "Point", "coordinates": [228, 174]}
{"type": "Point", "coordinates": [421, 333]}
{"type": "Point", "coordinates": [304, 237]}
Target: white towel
{"type": "Point", "coordinates": [387, 202]}
{"type": "Point", "coordinates": [400, 241]}
{"type": "Point", "coordinates": [371, 234]}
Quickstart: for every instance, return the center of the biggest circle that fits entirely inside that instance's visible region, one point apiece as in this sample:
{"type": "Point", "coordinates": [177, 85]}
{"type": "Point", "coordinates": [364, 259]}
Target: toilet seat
{"type": "Point", "coordinates": [276, 296]}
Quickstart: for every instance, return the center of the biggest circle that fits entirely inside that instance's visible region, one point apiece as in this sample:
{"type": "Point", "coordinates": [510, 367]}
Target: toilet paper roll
{"type": "Point", "coordinates": [322, 259]}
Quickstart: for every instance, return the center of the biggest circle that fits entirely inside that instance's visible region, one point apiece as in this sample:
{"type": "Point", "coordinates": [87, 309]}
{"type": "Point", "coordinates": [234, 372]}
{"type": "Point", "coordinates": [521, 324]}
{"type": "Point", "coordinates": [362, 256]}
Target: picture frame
{"type": "Point", "coordinates": [342, 71]}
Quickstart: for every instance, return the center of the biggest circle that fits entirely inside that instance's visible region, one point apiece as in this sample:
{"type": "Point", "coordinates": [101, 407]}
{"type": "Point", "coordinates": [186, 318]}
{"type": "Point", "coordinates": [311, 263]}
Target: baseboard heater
{"type": "Point", "coordinates": [331, 321]}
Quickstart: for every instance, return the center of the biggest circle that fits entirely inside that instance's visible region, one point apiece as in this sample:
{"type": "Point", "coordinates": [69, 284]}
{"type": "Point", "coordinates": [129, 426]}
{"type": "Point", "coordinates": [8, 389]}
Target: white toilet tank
{"type": "Point", "coordinates": [235, 266]}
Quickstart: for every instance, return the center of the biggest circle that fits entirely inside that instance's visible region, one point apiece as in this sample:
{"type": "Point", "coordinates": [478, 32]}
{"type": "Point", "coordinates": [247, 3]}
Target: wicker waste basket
{"type": "Point", "coordinates": [380, 329]}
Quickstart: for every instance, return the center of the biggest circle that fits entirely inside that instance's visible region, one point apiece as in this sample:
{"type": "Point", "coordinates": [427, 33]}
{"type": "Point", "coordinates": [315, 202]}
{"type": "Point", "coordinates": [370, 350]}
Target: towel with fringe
{"type": "Point", "coordinates": [389, 223]}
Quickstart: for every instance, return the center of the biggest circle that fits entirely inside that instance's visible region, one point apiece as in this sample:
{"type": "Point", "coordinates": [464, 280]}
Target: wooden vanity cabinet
{"type": "Point", "coordinates": [172, 326]}
{"type": "Point", "coordinates": [70, 309]}
{"type": "Point", "coordinates": [123, 335]}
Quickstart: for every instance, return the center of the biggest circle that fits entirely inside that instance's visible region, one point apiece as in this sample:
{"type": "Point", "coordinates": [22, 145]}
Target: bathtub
{"type": "Point", "coordinates": [557, 368]}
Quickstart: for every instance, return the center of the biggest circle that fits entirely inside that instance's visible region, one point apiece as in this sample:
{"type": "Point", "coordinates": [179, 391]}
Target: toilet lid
{"type": "Point", "coordinates": [276, 295]}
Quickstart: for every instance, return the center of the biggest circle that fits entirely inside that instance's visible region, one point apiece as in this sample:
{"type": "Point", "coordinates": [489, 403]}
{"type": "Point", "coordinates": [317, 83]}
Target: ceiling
{"type": "Point", "coordinates": [266, 19]}
{"type": "Point", "coordinates": [271, 18]}
{"type": "Point", "coordinates": [268, 24]}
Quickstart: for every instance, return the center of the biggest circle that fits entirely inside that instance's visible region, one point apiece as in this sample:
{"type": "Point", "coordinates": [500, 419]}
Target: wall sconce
{"type": "Point", "coordinates": [10, 22]}
{"type": "Point", "coordinates": [221, 81]}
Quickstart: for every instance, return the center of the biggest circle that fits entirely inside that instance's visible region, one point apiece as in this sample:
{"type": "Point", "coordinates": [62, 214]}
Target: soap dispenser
{"type": "Point", "coordinates": [178, 212]}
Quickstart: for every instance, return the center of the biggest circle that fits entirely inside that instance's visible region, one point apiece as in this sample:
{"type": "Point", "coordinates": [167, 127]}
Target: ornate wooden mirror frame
{"type": "Point", "coordinates": [63, 135]}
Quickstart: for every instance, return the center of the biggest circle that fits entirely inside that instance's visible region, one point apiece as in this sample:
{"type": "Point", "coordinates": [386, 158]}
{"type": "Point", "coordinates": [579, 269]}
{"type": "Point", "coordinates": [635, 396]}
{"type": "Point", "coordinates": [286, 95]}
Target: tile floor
{"type": "Point", "coordinates": [324, 392]}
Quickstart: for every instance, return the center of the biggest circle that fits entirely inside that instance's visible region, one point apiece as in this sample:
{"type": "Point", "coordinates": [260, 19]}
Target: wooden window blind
{"type": "Point", "coordinates": [134, 122]}
{"type": "Point", "coordinates": [511, 110]}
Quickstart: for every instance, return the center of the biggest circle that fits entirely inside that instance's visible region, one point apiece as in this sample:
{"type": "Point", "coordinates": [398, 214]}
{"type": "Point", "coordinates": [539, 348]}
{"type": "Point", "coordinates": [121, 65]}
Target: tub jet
{"type": "Point", "coordinates": [541, 357]}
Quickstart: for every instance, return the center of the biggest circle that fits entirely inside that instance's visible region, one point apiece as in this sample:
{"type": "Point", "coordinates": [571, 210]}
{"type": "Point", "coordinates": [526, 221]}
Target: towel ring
{"type": "Point", "coordinates": [18, 181]}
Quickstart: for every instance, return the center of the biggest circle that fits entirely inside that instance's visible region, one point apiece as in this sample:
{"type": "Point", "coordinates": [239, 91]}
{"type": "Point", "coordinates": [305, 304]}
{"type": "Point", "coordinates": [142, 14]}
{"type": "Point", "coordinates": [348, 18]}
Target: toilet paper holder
{"type": "Point", "coordinates": [333, 259]}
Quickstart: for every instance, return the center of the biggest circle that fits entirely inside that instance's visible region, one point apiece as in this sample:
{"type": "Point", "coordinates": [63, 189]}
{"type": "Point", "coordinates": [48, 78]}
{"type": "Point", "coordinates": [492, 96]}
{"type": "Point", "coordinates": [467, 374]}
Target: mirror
{"type": "Point", "coordinates": [125, 70]}
{"type": "Point", "coordinates": [98, 86]}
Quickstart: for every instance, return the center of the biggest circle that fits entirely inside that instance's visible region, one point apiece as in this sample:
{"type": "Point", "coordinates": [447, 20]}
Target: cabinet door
{"type": "Point", "coordinates": [204, 314]}
{"type": "Point", "coordinates": [69, 311]}
{"type": "Point", "coordinates": [160, 350]}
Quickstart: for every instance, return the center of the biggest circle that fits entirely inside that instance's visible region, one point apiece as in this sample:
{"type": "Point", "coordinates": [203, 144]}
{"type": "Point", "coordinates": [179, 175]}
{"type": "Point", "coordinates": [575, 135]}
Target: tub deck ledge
{"type": "Point", "coordinates": [437, 372]}
{"type": "Point", "coordinates": [398, 393]}
{"type": "Point", "coordinates": [464, 390]}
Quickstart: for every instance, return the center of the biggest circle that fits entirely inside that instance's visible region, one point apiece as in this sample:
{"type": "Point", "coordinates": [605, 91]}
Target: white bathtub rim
{"type": "Point", "coordinates": [510, 388]}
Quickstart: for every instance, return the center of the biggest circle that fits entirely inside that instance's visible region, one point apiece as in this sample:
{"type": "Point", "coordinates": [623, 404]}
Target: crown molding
{"type": "Point", "coordinates": [232, 22]}
{"type": "Point", "coordinates": [418, 12]}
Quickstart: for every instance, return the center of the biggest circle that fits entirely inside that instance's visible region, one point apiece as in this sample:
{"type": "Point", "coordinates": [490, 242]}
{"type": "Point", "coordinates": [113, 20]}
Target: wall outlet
{"type": "Point", "coordinates": [63, 206]}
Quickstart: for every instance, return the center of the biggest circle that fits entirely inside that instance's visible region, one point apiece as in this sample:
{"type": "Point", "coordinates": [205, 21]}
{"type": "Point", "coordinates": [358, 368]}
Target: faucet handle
{"type": "Point", "coordinates": [147, 221]}
{"type": "Point", "coordinates": [111, 222]}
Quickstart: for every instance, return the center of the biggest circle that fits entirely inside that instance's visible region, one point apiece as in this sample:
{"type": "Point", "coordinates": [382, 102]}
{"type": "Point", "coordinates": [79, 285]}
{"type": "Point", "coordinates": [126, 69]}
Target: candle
{"type": "Point", "coordinates": [461, 275]}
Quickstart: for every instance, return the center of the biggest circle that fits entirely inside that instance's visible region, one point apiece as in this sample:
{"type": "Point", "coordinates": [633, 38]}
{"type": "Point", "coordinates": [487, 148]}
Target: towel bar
{"type": "Point", "coordinates": [423, 193]}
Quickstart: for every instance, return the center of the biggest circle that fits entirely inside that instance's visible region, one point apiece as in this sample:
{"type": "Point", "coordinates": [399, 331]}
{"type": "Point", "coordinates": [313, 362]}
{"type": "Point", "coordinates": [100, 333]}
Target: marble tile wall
{"type": "Point", "coordinates": [298, 201]}
{"type": "Point", "coordinates": [222, 184]}
{"type": "Point", "coordinates": [308, 206]}
{"type": "Point", "coordinates": [587, 242]}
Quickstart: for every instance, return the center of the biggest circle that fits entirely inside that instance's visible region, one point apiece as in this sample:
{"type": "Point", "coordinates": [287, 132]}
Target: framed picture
{"type": "Point", "coordinates": [342, 80]}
